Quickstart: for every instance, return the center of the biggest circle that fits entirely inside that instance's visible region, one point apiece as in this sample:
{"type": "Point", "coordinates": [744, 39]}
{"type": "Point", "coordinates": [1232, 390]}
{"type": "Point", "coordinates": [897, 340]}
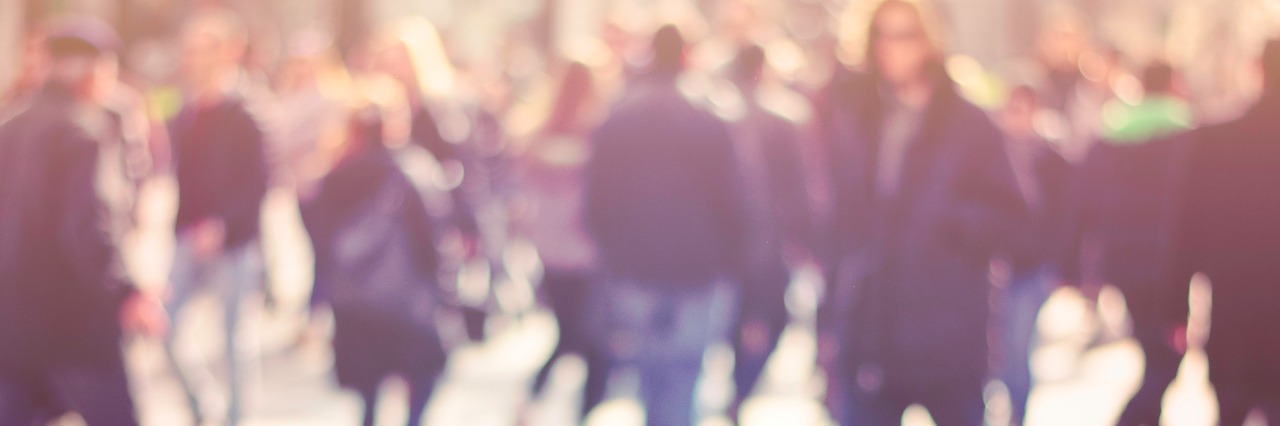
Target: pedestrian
{"type": "Point", "coordinates": [1044, 248]}
{"type": "Point", "coordinates": [222, 176]}
{"type": "Point", "coordinates": [1128, 222]}
{"type": "Point", "coordinates": [665, 207]}
{"type": "Point", "coordinates": [768, 147]}
{"type": "Point", "coordinates": [376, 257]}
{"type": "Point", "coordinates": [925, 199]}
{"type": "Point", "coordinates": [1232, 237]}
{"type": "Point", "coordinates": [551, 174]}
{"type": "Point", "coordinates": [65, 301]}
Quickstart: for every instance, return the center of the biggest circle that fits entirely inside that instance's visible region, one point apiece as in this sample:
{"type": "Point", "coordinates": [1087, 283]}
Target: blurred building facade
{"type": "Point", "coordinates": [487, 33]}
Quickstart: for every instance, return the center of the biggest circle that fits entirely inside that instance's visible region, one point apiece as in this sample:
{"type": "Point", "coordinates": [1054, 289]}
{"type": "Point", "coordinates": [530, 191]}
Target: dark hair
{"type": "Point", "coordinates": [82, 36]}
{"type": "Point", "coordinates": [668, 50]}
{"type": "Point", "coordinates": [577, 88]}
{"type": "Point", "coordinates": [931, 22]}
{"type": "Point", "coordinates": [749, 64]}
{"type": "Point", "coordinates": [1158, 77]}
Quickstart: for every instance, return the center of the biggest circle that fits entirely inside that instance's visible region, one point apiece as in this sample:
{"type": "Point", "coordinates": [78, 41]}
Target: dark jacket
{"type": "Point", "coordinates": [1129, 198]}
{"type": "Point", "coordinates": [911, 295]}
{"type": "Point", "coordinates": [345, 193]}
{"type": "Point", "coordinates": [1231, 229]}
{"type": "Point", "coordinates": [663, 191]}
{"type": "Point", "coordinates": [63, 280]}
{"type": "Point", "coordinates": [384, 296]}
{"type": "Point", "coordinates": [1048, 179]}
{"type": "Point", "coordinates": [779, 208]}
{"type": "Point", "coordinates": [221, 168]}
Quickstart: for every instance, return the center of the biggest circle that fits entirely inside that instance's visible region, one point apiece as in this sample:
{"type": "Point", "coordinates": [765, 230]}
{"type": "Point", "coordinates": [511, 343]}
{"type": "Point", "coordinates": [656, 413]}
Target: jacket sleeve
{"type": "Point", "coordinates": [995, 212]}
{"type": "Point", "coordinates": [85, 231]}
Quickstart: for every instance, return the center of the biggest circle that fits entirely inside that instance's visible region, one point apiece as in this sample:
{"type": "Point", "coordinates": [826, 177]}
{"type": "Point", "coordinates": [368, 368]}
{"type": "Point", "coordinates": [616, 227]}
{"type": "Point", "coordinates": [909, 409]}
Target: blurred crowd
{"type": "Point", "coordinates": [671, 182]}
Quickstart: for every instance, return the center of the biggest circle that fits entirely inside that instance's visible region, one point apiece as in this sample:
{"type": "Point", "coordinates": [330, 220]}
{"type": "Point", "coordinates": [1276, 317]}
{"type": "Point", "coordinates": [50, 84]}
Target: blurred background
{"type": "Point", "coordinates": [506, 57]}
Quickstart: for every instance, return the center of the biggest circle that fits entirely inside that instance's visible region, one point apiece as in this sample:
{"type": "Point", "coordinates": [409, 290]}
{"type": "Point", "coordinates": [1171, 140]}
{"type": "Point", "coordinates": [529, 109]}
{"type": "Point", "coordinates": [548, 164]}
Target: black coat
{"type": "Point", "coordinates": [221, 168]}
{"type": "Point", "coordinates": [780, 209]}
{"type": "Point", "coordinates": [1129, 199]}
{"type": "Point", "coordinates": [1048, 240]}
{"type": "Point", "coordinates": [664, 195]}
{"type": "Point", "coordinates": [375, 336]}
{"type": "Point", "coordinates": [912, 291]}
{"type": "Point", "coordinates": [1231, 228]}
{"type": "Point", "coordinates": [61, 278]}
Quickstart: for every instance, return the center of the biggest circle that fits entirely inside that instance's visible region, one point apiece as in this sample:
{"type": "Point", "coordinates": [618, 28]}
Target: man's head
{"type": "Point", "coordinates": [82, 55]}
{"type": "Point", "coordinates": [213, 44]}
{"type": "Point", "coordinates": [668, 51]}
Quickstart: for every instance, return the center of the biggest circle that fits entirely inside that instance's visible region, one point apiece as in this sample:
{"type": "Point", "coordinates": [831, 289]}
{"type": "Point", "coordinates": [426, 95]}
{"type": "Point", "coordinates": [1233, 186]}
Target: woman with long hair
{"type": "Point", "coordinates": [551, 170]}
{"type": "Point", "coordinates": [924, 198]}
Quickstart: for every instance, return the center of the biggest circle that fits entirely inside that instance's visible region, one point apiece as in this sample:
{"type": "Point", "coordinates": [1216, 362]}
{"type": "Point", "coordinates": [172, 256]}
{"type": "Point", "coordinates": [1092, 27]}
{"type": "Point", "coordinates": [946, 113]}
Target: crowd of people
{"type": "Point", "coordinates": [671, 201]}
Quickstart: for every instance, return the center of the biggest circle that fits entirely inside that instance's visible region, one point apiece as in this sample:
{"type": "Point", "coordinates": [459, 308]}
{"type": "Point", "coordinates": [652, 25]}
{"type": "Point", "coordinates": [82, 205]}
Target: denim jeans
{"type": "Point", "coordinates": [1022, 302]}
{"type": "Point", "coordinates": [233, 275]}
{"type": "Point", "coordinates": [664, 334]}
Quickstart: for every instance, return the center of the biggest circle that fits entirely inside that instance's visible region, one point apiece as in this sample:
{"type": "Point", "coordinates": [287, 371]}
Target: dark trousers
{"type": "Point", "coordinates": [38, 394]}
{"type": "Point", "coordinates": [950, 405]}
{"type": "Point", "coordinates": [1162, 360]}
{"type": "Point", "coordinates": [749, 362]}
{"type": "Point", "coordinates": [763, 301]}
{"type": "Point", "coordinates": [1244, 378]}
{"type": "Point", "coordinates": [569, 293]}
{"type": "Point", "coordinates": [1237, 400]}
{"type": "Point", "coordinates": [419, 395]}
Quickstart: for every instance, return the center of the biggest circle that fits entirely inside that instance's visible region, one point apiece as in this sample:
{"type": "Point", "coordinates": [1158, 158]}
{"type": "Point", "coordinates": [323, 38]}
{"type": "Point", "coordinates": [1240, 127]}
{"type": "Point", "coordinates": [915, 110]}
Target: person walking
{"type": "Point", "coordinates": [925, 199]}
{"type": "Point", "coordinates": [551, 174]}
{"type": "Point", "coordinates": [768, 147]}
{"type": "Point", "coordinates": [222, 176]}
{"type": "Point", "coordinates": [664, 205]}
{"type": "Point", "coordinates": [376, 258]}
{"type": "Point", "coordinates": [1230, 234]}
{"type": "Point", "coordinates": [65, 300]}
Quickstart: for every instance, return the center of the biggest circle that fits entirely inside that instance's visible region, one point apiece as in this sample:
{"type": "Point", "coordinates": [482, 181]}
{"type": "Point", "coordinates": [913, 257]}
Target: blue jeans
{"type": "Point", "coordinates": [233, 274]}
{"type": "Point", "coordinates": [1022, 302]}
{"type": "Point", "coordinates": [664, 335]}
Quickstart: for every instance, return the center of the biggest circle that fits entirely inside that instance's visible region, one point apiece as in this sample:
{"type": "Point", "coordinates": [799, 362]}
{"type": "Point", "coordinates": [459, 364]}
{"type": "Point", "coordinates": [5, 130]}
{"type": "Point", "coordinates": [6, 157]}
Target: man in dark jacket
{"type": "Point", "coordinates": [64, 298]}
{"type": "Point", "coordinates": [1037, 263]}
{"type": "Point", "coordinates": [664, 204]}
{"type": "Point", "coordinates": [768, 147]}
{"type": "Point", "coordinates": [222, 178]}
{"type": "Point", "coordinates": [1129, 204]}
{"type": "Point", "coordinates": [925, 198]}
{"type": "Point", "coordinates": [1232, 235]}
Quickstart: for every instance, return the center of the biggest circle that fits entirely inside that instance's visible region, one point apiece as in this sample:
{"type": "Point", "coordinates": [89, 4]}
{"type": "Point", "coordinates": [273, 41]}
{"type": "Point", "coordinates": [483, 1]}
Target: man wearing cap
{"type": "Point", "coordinates": [64, 298]}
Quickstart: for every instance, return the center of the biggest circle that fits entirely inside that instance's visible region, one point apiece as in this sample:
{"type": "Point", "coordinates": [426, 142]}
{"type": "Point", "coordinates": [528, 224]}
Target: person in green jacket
{"type": "Point", "coordinates": [1161, 112]}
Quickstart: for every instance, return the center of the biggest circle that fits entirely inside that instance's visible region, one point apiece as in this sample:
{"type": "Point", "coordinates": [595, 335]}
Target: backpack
{"type": "Point", "coordinates": [377, 274]}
